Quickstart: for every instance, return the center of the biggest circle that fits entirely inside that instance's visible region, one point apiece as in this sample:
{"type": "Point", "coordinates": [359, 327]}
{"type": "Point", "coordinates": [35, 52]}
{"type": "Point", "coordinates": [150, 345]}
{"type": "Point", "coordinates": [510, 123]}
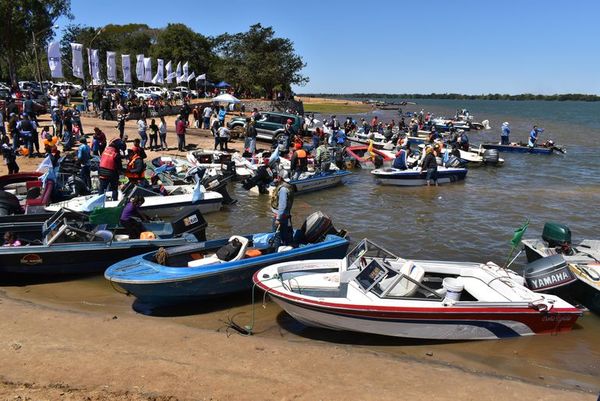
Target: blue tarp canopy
{"type": "Point", "coordinates": [222, 84]}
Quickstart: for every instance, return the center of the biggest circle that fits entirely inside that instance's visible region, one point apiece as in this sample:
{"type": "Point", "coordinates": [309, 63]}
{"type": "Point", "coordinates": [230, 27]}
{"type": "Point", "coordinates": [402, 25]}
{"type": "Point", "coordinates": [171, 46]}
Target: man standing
{"type": "Point", "coordinates": [110, 168]}
{"type": "Point", "coordinates": [430, 164]}
{"type": "Point", "coordinates": [180, 131]}
{"type": "Point", "coordinates": [84, 96]}
{"type": "Point", "coordinates": [84, 155]}
{"type": "Point", "coordinates": [299, 161]}
{"type": "Point", "coordinates": [505, 134]}
{"type": "Point", "coordinates": [26, 128]}
{"type": "Point", "coordinates": [206, 113]}
{"type": "Point", "coordinates": [281, 205]}
{"type": "Point", "coordinates": [251, 133]}
{"type": "Point", "coordinates": [533, 135]}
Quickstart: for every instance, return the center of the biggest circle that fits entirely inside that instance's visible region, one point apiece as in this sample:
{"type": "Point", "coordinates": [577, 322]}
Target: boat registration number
{"type": "Point", "coordinates": [193, 219]}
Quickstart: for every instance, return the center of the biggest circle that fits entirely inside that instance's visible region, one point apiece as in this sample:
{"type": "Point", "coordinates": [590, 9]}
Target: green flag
{"type": "Point", "coordinates": [519, 234]}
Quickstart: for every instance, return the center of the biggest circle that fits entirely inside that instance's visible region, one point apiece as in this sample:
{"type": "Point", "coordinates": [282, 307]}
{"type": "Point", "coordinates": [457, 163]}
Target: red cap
{"type": "Point", "coordinates": [289, 121]}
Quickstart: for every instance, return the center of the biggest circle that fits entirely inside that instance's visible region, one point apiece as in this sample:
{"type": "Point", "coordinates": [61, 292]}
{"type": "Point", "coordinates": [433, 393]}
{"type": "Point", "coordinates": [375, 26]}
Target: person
{"type": "Point", "coordinates": [121, 124]}
{"type": "Point", "coordinates": [323, 157]}
{"type": "Point", "coordinates": [533, 136]}
{"type": "Point", "coordinates": [84, 155]}
{"type": "Point", "coordinates": [26, 128]}
{"type": "Point", "coordinates": [110, 168]}
{"type": "Point", "coordinates": [222, 114]}
{"type": "Point", "coordinates": [250, 135]}
{"type": "Point", "coordinates": [282, 201]}
{"type": "Point", "coordinates": [9, 155]}
{"type": "Point", "coordinates": [153, 135]}
{"type": "Point", "coordinates": [430, 164]}
{"type": "Point", "coordinates": [142, 126]}
{"type": "Point", "coordinates": [206, 113]}
{"type": "Point", "coordinates": [131, 216]}
{"type": "Point", "coordinates": [185, 112]}
{"type": "Point", "coordinates": [10, 239]}
{"type": "Point", "coordinates": [463, 141]}
{"type": "Point", "coordinates": [162, 133]}
{"type": "Point", "coordinates": [224, 135]}
{"type": "Point", "coordinates": [196, 114]}
{"type": "Point", "coordinates": [299, 161]}
{"type": "Point", "coordinates": [135, 167]}
{"type": "Point", "coordinates": [137, 148]}
{"type": "Point", "coordinates": [98, 142]}
{"type": "Point", "coordinates": [180, 131]}
{"type": "Point", "coordinates": [84, 97]}
{"type": "Point", "coordinates": [400, 160]}
{"type": "Point", "coordinates": [504, 137]}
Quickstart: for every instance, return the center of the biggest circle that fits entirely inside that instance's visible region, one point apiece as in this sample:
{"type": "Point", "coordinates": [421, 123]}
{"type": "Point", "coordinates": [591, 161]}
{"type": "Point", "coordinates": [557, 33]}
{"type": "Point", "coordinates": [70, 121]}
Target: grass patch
{"type": "Point", "coordinates": [336, 108]}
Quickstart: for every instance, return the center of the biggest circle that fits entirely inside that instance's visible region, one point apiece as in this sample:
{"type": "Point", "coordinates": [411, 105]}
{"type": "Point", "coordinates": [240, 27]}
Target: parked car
{"type": "Point", "coordinates": [72, 89]}
{"type": "Point", "coordinates": [269, 125]}
{"type": "Point", "coordinates": [143, 93]}
{"type": "Point", "coordinates": [122, 93]}
{"type": "Point", "coordinates": [181, 91]}
{"type": "Point", "coordinates": [156, 90]}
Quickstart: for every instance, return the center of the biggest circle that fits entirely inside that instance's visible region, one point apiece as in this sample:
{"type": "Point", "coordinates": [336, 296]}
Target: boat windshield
{"type": "Point", "coordinates": [367, 249]}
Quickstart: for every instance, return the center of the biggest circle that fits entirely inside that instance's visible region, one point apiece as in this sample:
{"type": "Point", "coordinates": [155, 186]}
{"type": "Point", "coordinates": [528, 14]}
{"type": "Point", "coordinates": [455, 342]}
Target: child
{"type": "Point", "coordinates": [10, 239]}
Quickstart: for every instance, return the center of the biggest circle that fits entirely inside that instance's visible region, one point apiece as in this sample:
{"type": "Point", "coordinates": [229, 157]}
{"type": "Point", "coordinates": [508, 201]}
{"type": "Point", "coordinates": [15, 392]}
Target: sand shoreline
{"type": "Point", "coordinates": [50, 352]}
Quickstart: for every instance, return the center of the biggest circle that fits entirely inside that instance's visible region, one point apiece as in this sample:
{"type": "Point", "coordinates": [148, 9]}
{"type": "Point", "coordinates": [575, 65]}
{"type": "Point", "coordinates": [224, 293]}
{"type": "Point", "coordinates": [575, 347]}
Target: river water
{"type": "Point", "coordinates": [473, 220]}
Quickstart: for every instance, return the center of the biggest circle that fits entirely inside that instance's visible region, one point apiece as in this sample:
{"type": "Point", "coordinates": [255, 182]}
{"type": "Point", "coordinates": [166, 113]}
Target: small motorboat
{"type": "Point", "coordinates": [177, 199]}
{"type": "Point", "coordinates": [234, 164]}
{"type": "Point", "coordinates": [371, 290]}
{"type": "Point", "coordinates": [559, 267]}
{"type": "Point", "coordinates": [546, 148]}
{"type": "Point", "coordinates": [369, 160]}
{"type": "Point", "coordinates": [379, 141]}
{"type": "Point", "coordinates": [220, 267]}
{"type": "Point", "coordinates": [69, 243]}
{"type": "Point", "coordinates": [416, 177]}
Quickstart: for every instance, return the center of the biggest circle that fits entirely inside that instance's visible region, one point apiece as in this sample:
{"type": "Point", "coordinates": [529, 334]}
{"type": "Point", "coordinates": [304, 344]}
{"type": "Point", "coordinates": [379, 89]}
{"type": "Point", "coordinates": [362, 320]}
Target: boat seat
{"type": "Point", "coordinates": [405, 287]}
{"type": "Point", "coordinates": [214, 259]}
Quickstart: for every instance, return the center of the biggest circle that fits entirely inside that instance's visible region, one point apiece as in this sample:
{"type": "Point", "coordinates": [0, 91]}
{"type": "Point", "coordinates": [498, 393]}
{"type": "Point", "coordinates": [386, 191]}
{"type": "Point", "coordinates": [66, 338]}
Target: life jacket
{"type": "Point", "coordinates": [290, 198]}
{"type": "Point", "coordinates": [130, 166]}
{"type": "Point", "coordinates": [301, 159]}
{"type": "Point", "coordinates": [26, 126]}
{"type": "Point", "coordinates": [108, 162]}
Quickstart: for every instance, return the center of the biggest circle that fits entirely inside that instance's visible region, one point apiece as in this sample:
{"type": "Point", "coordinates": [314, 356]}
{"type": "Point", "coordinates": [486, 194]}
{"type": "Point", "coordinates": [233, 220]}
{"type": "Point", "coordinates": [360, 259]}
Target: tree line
{"type": "Point", "coordinates": [458, 96]}
{"type": "Point", "coordinates": [256, 62]}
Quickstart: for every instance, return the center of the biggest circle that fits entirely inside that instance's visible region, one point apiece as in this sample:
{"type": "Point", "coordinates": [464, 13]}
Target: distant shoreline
{"type": "Point", "coordinates": [456, 96]}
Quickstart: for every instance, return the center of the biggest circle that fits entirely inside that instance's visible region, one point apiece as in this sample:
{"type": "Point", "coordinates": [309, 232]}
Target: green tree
{"type": "Point", "coordinates": [22, 18]}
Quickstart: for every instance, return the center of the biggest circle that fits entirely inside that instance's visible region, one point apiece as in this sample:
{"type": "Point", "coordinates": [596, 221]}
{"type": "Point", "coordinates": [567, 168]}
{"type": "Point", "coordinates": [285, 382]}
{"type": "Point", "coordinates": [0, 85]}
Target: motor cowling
{"type": "Point", "coordinates": [491, 156]}
{"type": "Point", "coordinates": [556, 234]}
{"type": "Point", "coordinates": [548, 273]}
{"type": "Point", "coordinates": [316, 227]}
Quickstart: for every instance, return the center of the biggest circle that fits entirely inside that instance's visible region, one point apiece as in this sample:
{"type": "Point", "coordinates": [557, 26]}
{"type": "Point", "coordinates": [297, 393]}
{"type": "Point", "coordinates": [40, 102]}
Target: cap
{"type": "Point", "coordinates": [289, 121]}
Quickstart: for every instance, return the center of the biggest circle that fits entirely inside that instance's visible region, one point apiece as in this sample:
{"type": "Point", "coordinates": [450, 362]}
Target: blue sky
{"type": "Point", "coordinates": [486, 46]}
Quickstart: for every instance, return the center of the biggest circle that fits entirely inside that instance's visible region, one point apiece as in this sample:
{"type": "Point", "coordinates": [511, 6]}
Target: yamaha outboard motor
{"type": "Point", "coordinates": [315, 228]}
{"type": "Point", "coordinates": [548, 274]}
{"type": "Point", "coordinates": [491, 156]}
{"type": "Point", "coordinates": [262, 178]}
{"type": "Point", "coordinates": [218, 183]}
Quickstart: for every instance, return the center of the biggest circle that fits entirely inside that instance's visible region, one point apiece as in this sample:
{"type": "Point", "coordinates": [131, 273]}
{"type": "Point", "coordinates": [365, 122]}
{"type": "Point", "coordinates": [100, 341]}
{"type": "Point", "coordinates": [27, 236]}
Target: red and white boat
{"type": "Point", "coordinates": [374, 291]}
{"type": "Point", "coordinates": [372, 159]}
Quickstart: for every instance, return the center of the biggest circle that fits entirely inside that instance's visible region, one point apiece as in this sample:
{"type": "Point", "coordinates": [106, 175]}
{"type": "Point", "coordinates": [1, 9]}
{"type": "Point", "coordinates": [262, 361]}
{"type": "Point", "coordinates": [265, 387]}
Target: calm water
{"type": "Point", "coordinates": [473, 221]}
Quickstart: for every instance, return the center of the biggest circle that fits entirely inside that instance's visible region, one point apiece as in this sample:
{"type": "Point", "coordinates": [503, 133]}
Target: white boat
{"type": "Point", "coordinates": [374, 291]}
{"type": "Point", "coordinates": [215, 159]}
{"type": "Point", "coordinates": [312, 181]}
{"type": "Point", "coordinates": [179, 199]}
{"type": "Point", "coordinates": [415, 177]}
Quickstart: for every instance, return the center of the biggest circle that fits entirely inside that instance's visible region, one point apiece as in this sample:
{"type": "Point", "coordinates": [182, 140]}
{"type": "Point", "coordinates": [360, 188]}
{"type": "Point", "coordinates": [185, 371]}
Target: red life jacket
{"type": "Point", "coordinates": [109, 156]}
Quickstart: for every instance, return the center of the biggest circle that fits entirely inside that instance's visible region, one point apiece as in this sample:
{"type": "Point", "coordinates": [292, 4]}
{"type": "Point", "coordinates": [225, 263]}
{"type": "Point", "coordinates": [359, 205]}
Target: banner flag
{"type": "Point", "coordinates": [77, 53]}
{"type": "Point", "coordinates": [126, 66]}
{"type": "Point", "coordinates": [54, 60]}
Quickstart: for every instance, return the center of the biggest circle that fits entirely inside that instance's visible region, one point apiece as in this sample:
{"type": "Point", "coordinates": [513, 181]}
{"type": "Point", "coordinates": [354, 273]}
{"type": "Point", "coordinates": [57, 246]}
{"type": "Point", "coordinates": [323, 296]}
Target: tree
{"type": "Point", "coordinates": [20, 19]}
{"type": "Point", "coordinates": [257, 57]}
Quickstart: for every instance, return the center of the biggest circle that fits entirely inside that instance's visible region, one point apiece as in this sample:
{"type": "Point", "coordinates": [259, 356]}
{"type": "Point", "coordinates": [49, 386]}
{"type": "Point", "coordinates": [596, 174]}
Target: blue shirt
{"type": "Point", "coordinates": [222, 114]}
{"type": "Point", "coordinates": [84, 154]}
{"type": "Point", "coordinates": [283, 195]}
{"type": "Point", "coordinates": [505, 131]}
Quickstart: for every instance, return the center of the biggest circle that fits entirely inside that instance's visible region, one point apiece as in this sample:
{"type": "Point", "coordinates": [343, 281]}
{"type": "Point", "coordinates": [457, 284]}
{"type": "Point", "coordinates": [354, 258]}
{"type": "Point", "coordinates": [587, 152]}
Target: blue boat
{"type": "Point", "coordinates": [523, 148]}
{"type": "Point", "coordinates": [196, 272]}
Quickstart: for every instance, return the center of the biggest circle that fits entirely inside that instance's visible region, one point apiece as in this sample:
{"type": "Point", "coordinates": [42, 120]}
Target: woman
{"type": "Point", "coordinates": [430, 164]}
{"type": "Point", "coordinates": [162, 132]}
{"type": "Point", "coordinates": [142, 126]}
{"type": "Point", "coordinates": [99, 142]}
{"type": "Point", "coordinates": [153, 135]}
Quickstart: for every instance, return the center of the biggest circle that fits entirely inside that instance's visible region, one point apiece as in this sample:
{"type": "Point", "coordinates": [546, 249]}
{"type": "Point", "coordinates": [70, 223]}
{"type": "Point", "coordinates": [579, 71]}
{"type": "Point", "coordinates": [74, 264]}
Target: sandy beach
{"type": "Point", "coordinates": [53, 352]}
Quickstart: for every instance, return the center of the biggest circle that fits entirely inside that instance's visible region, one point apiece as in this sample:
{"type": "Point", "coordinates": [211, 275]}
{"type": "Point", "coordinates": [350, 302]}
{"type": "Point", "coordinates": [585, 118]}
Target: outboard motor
{"type": "Point", "coordinates": [190, 222]}
{"type": "Point", "coordinates": [491, 156]}
{"type": "Point", "coordinates": [262, 178]}
{"type": "Point", "coordinates": [315, 228]}
{"type": "Point", "coordinates": [218, 183]}
{"type": "Point", "coordinates": [548, 274]}
{"type": "Point", "coordinates": [556, 235]}
{"type": "Point", "coordinates": [453, 161]}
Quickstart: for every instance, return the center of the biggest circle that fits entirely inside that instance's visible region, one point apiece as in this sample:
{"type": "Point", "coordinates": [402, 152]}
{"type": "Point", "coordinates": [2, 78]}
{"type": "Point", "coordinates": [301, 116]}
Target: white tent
{"type": "Point", "coordinates": [226, 98]}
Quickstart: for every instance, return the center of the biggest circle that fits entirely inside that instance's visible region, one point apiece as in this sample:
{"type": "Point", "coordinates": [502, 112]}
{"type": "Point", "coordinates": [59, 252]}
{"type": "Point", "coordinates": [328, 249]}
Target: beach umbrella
{"type": "Point", "coordinates": [223, 84]}
{"type": "Point", "coordinates": [226, 98]}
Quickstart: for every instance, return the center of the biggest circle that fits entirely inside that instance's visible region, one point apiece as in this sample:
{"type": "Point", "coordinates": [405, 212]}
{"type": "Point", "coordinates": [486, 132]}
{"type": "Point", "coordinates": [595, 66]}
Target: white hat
{"type": "Point", "coordinates": [505, 123]}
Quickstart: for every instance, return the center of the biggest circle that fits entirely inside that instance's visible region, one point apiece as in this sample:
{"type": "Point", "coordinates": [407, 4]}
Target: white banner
{"type": "Point", "coordinates": [184, 77]}
{"type": "Point", "coordinates": [76, 51]}
{"type": "Point", "coordinates": [200, 77]}
{"type": "Point", "coordinates": [139, 67]}
{"type": "Point", "coordinates": [159, 77]}
{"type": "Point", "coordinates": [111, 67]}
{"type": "Point", "coordinates": [178, 73]}
{"type": "Point", "coordinates": [126, 65]}
{"type": "Point", "coordinates": [191, 76]}
{"type": "Point", "coordinates": [147, 69]}
{"type": "Point", "coordinates": [95, 64]}
{"type": "Point", "coordinates": [54, 60]}
{"type": "Point", "coordinates": [170, 74]}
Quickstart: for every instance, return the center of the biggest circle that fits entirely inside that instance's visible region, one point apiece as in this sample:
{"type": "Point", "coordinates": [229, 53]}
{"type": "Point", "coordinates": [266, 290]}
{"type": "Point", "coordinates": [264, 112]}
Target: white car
{"type": "Point", "coordinates": [143, 93]}
{"type": "Point", "coordinates": [181, 92]}
{"type": "Point", "coordinates": [72, 89]}
{"type": "Point", "coordinates": [156, 90]}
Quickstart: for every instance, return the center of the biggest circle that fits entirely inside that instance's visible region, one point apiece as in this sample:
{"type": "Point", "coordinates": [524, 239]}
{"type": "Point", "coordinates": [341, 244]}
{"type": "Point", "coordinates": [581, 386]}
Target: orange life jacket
{"type": "Point", "coordinates": [130, 166]}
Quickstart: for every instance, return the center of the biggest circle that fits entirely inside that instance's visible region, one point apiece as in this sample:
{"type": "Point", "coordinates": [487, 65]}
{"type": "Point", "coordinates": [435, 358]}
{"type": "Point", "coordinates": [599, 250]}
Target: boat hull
{"type": "Point", "coordinates": [417, 178]}
{"type": "Point", "coordinates": [323, 181]}
{"type": "Point", "coordinates": [183, 285]}
{"type": "Point", "coordinates": [518, 149]}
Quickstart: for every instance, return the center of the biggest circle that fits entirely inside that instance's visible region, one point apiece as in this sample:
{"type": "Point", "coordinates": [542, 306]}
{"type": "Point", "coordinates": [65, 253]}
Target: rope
{"type": "Point", "coordinates": [161, 256]}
